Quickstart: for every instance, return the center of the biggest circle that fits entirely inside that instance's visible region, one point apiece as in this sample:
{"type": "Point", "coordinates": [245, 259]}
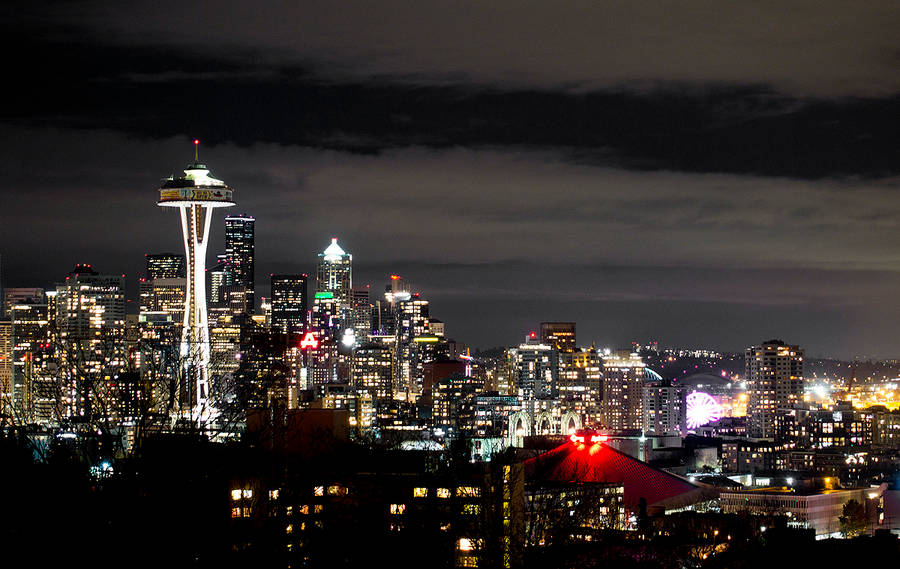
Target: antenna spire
{"type": "Point", "coordinates": [196, 150]}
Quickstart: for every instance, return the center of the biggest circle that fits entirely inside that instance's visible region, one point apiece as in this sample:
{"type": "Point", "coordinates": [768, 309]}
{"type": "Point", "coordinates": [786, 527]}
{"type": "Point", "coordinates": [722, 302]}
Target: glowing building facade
{"type": "Point", "coordinates": [623, 381]}
{"type": "Point", "coordinates": [334, 273]}
{"type": "Point", "coordinates": [196, 194]}
{"type": "Point", "coordinates": [774, 372]}
{"type": "Point", "coordinates": [289, 302]}
{"type": "Point", "coordinates": [240, 247]}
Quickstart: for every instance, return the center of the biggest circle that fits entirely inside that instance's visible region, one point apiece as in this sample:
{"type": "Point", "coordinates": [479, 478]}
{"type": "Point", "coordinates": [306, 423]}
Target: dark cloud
{"type": "Point", "coordinates": [158, 90]}
{"type": "Point", "coordinates": [695, 173]}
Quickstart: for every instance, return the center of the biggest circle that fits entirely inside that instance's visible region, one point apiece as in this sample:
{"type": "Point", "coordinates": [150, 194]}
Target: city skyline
{"type": "Point", "coordinates": [651, 182]}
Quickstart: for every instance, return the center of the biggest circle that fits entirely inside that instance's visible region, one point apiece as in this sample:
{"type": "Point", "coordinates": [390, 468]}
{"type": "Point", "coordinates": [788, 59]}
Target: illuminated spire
{"type": "Point", "coordinates": [334, 252]}
{"type": "Point", "coordinates": [196, 150]}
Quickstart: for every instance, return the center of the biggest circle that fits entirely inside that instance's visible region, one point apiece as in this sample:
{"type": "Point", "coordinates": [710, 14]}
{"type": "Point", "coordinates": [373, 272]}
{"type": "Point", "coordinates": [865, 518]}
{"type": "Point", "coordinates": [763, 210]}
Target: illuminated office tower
{"type": "Point", "coordinates": [289, 302]}
{"type": "Point", "coordinates": [412, 324]}
{"type": "Point", "coordinates": [623, 383]}
{"type": "Point", "coordinates": [534, 369]}
{"type": "Point", "coordinates": [334, 273]}
{"type": "Point", "coordinates": [371, 370]}
{"type": "Point", "coordinates": [239, 259]}
{"type": "Point", "coordinates": [195, 194]}
{"type": "Point", "coordinates": [580, 383]}
{"type": "Point", "coordinates": [164, 265]}
{"type": "Point", "coordinates": [359, 313]}
{"type": "Point", "coordinates": [560, 335]}
{"type": "Point", "coordinates": [774, 375]}
{"type": "Point", "coordinates": [6, 369]}
{"type": "Point", "coordinates": [18, 295]}
{"type": "Point", "coordinates": [89, 317]}
{"type": "Point", "coordinates": [35, 398]}
{"type": "Point", "coordinates": [663, 408]}
{"type": "Point", "coordinates": [218, 279]}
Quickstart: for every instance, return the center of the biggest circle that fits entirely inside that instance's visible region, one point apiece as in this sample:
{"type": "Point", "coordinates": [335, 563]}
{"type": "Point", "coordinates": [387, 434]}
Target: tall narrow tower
{"type": "Point", "coordinates": [196, 194]}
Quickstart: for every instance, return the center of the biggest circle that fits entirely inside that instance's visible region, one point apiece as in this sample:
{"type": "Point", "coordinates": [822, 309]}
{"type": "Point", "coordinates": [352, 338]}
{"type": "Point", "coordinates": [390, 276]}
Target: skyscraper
{"type": "Point", "coordinates": [289, 302]}
{"type": "Point", "coordinates": [663, 408]}
{"type": "Point", "coordinates": [774, 374]}
{"type": "Point", "coordinates": [89, 316]}
{"type": "Point", "coordinates": [623, 381]}
{"type": "Point", "coordinates": [334, 273]}
{"type": "Point", "coordinates": [6, 369]}
{"type": "Point", "coordinates": [164, 265]}
{"type": "Point", "coordinates": [560, 335]}
{"type": "Point", "coordinates": [534, 369]}
{"type": "Point", "coordinates": [239, 254]}
{"type": "Point", "coordinates": [196, 194]}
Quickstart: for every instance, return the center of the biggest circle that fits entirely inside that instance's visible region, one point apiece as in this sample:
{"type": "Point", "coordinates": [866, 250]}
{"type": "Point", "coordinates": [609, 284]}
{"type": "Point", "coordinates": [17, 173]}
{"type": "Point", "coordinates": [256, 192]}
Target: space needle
{"type": "Point", "coordinates": [196, 194]}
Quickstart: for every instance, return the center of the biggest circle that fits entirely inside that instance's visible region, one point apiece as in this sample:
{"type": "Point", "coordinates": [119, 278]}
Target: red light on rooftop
{"type": "Point", "coordinates": [196, 142]}
{"type": "Point", "coordinates": [395, 277]}
{"type": "Point", "coordinates": [534, 334]}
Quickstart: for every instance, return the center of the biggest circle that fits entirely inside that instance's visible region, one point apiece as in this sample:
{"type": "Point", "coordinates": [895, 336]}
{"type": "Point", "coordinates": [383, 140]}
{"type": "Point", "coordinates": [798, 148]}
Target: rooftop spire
{"type": "Point", "coordinates": [333, 252]}
{"type": "Point", "coordinates": [196, 150]}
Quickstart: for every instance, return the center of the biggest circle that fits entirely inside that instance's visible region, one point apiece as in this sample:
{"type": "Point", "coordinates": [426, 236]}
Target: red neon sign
{"type": "Point", "coordinates": [309, 341]}
{"type": "Point", "coordinates": [594, 438]}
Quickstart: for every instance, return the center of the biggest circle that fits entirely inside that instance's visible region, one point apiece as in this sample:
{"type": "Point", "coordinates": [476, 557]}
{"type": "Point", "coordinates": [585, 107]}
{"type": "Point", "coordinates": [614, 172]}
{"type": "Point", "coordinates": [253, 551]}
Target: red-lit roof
{"type": "Point", "coordinates": [575, 462]}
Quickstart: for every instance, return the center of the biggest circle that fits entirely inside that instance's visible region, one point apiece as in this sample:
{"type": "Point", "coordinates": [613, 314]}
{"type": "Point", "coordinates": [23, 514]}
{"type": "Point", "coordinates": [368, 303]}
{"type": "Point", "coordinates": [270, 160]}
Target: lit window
{"type": "Point", "coordinates": [235, 494]}
{"type": "Point", "coordinates": [248, 493]}
{"type": "Point", "coordinates": [273, 494]}
{"type": "Point", "coordinates": [304, 509]}
{"type": "Point", "coordinates": [245, 512]}
{"type": "Point", "coordinates": [468, 491]}
{"type": "Point", "coordinates": [471, 509]}
{"type": "Point", "coordinates": [235, 512]}
{"type": "Point", "coordinates": [319, 490]}
{"type": "Point", "coordinates": [317, 509]}
{"type": "Point", "coordinates": [443, 492]}
{"type": "Point", "coordinates": [465, 544]}
{"type": "Point", "coordinates": [420, 492]}
{"type": "Point", "coordinates": [289, 528]}
{"type": "Point", "coordinates": [398, 508]}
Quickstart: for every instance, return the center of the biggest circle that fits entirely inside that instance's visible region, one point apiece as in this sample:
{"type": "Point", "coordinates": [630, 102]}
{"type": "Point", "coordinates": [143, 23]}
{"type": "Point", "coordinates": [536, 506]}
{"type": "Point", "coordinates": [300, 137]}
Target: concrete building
{"type": "Point", "coordinates": [774, 375]}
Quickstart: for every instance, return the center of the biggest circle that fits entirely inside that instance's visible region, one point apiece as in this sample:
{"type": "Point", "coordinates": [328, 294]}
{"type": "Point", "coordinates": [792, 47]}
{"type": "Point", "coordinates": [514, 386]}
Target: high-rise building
{"type": "Point", "coordinates": [663, 408]}
{"type": "Point", "coordinates": [196, 194]}
{"type": "Point", "coordinates": [289, 312]}
{"type": "Point", "coordinates": [6, 370]}
{"type": "Point", "coordinates": [534, 369]}
{"type": "Point", "coordinates": [579, 385]}
{"type": "Point", "coordinates": [334, 273]}
{"type": "Point", "coordinates": [19, 295]}
{"type": "Point", "coordinates": [89, 316]}
{"type": "Point", "coordinates": [623, 381]}
{"type": "Point", "coordinates": [411, 323]}
{"type": "Point", "coordinates": [560, 335]}
{"type": "Point", "coordinates": [164, 265]}
{"type": "Point", "coordinates": [774, 375]}
{"type": "Point", "coordinates": [218, 279]}
{"type": "Point", "coordinates": [359, 313]}
{"type": "Point", "coordinates": [33, 390]}
{"type": "Point", "coordinates": [371, 370]}
{"type": "Point", "coordinates": [239, 255]}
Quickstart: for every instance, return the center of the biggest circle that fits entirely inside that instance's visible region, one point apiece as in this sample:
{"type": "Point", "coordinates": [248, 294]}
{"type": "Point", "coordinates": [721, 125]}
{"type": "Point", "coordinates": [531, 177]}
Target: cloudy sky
{"type": "Point", "coordinates": [700, 173]}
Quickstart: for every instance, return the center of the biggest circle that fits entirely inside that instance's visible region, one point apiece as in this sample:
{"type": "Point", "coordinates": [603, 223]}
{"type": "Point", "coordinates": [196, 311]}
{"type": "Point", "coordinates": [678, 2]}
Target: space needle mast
{"type": "Point", "coordinates": [196, 194]}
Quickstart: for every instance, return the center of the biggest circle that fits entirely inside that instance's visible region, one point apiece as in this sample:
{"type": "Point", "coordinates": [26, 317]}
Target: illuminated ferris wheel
{"type": "Point", "coordinates": [701, 409]}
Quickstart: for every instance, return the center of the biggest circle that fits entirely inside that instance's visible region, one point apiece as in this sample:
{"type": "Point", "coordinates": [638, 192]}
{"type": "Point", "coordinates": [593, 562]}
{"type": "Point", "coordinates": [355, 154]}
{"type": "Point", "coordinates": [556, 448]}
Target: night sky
{"type": "Point", "coordinates": [704, 174]}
